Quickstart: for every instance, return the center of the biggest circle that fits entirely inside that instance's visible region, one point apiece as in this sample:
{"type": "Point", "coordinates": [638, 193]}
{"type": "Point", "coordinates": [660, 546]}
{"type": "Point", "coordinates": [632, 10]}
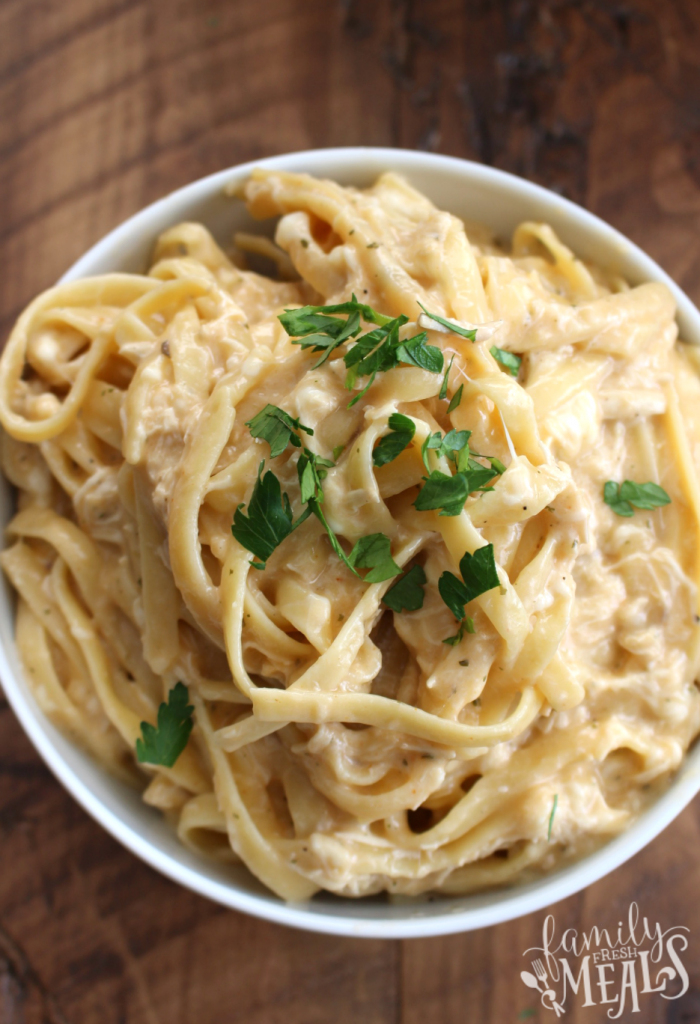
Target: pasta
{"type": "Point", "coordinates": [339, 743]}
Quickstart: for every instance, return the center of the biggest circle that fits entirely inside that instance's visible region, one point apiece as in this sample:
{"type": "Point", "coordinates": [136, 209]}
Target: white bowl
{"type": "Point", "coordinates": [476, 193]}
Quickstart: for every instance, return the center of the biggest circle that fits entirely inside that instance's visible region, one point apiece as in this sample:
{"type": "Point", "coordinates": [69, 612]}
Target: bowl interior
{"type": "Point", "coordinates": [475, 193]}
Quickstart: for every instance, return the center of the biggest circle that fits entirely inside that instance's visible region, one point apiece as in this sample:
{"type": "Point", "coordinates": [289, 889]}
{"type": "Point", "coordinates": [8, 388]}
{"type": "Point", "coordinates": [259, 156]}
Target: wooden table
{"type": "Point", "coordinates": [106, 105]}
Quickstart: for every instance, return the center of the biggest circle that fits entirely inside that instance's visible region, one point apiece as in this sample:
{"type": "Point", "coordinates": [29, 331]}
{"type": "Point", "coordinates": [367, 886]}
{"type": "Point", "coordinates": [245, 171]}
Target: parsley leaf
{"type": "Point", "coordinates": [456, 399]}
{"type": "Point", "coordinates": [479, 571]}
{"type": "Point", "coordinates": [163, 744]}
{"type": "Point", "coordinates": [449, 493]}
{"type": "Point", "coordinates": [318, 328]}
{"type": "Point", "coordinates": [312, 470]}
{"type": "Point", "coordinates": [269, 518]}
{"type": "Point", "coordinates": [445, 492]}
{"type": "Point", "coordinates": [361, 394]}
{"type": "Point", "coordinates": [374, 552]}
{"type": "Point", "coordinates": [443, 387]}
{"type": "Point", "coordinates": [455, 446]}
{"type": "Point", "coordinates": [621, 497]}
{"type": "Point", "coordinates": [338, 451]}
{"type": "Point", "coordinates": [454, 441]}
{"type": "Point", "coordinates": [431, 443]}
{"type": "Point", "coordinates": [644, 496]}
{"type": "Point", "coordinates": [466, 626]}
{"type": "Point", "coordinates": [416, 352]}
{"type": "Point", "coordinates": [407, 595]}
{"type": "Point", "coordinates": [453, 593]}
{"type": "Point", "coordinates": [391, 445]}
{"type": "Point", "coordinates": [322, 329]}
{"type": "Point", "coordinates": [508, 360]}
{"type": "Point", "coordinates": [277, 427]}
{"type": "Point", "coordinates": [611, 497]}
{"type": "Point", "coordinates": [464, 332]}
{"type": "Point", "coordinates": [380, 350]}
{"type": "Point", "coordinates": [375, 352]}
{"type": "Point", "coordinates": [479, 574]}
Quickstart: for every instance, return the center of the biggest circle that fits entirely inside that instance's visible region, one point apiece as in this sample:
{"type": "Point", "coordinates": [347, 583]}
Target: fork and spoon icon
{"type": "Point", "coordinates": [534, 980]}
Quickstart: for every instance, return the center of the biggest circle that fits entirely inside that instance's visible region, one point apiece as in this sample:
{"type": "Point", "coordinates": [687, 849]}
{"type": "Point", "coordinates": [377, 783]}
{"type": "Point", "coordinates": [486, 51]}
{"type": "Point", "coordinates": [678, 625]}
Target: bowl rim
{"type": "Point", "coordinates": [515, 902]}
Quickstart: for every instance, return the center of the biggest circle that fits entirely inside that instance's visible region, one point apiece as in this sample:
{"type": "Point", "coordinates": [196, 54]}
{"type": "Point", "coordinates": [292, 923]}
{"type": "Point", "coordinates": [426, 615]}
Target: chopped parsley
{"type": "Point", "coordinates": [278, 428]}
{"type": "Point", "coordinates": [312, 470]}
{"type": "Point", "coordinates": [479, 575]}
{"type": "Point", "coordinates": [443, 387]}
{"type": "Point", "coordinates": [444, 492]}
{"type": "Point", "coordinates": [466, 626]}
{"type": "Point", "coordinates": [323, 329]}
{"type": "Point", "coordinates": [391, 445]}
{"type": "Point", "coordinates": [621, 497]}
{"type": "Point", "coordinates": [269, 518]}
{"type": "Point", "coordinates": [454, 445]}
{"type": "Point", "coordinates": [416, 352]}
{"type": "Point", "coordinates": [163, 744]}
{"type": "Point", "coordinates": [380, 350]}
{"type": "Point", "coordinates": [464, 332]}
{"type": "Point", "coordinates": [456, 399]}
{"type": "Point", "coordinates": [508, 360]}
{"type": "Point", "coordinates": [407, 594]}
{"type": "Point", "coordinates": [450, 492]}
{"type": "Point", "coordinates": [374, 552]}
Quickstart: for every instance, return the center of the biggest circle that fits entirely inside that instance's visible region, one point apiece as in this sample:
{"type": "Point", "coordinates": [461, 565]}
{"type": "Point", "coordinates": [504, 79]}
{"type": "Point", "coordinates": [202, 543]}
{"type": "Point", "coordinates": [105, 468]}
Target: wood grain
{"type": "Point", "coordinates": [106, 105]}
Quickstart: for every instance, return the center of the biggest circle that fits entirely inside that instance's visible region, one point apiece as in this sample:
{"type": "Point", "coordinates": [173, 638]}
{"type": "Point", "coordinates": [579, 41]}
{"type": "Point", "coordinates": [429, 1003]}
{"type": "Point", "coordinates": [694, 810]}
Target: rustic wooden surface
{"type": "Point", "coordinates": [106, 105]}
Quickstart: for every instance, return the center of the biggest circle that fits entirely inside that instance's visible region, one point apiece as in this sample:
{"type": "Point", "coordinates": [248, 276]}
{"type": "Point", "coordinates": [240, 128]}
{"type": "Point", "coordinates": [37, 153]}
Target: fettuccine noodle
{"type": "Point", "coordinates": [340, 745]}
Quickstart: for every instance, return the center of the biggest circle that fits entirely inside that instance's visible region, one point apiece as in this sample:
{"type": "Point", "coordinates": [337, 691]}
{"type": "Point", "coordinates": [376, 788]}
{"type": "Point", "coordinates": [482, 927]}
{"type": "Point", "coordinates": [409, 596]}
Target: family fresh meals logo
{"type": "Point", "coordinates": [595, 969]}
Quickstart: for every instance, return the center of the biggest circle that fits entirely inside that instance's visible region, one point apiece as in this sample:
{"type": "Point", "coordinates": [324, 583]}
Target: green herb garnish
{"type": "Point", "coordinates": [278, 428]}
{"type": "Point", "coordinates": [163, 744]}
{"type": "Point", "coordinates": [312, 469]}
{"type": "Point", "coordinates": [449, 493]}
{"type": "Point", "coordinates": [454, 445]}
{"type": "Point", "coordinates": [269, 518]}
{"type": "Point", "coordinates": [464, 332]}
{"type": "Point", "coordinates": [621, 497]}
{"type": "Point", "coordinates": [443, 387]}
{"type": "Point", "coordinates": [380, 350]}
{"type": "Point", "coordinates": [374, 552]}
{"type": "Point", "coordinates": [456, 399]}
{"type": "Point", "coordinates": [416, 352]}
{"type": "Point", "coordinates": [444, 492]}
{"type": "Point", "coordinates": [466, 626]}
{"type": "Point", "coordinates": [479, 575]}
{"type": "Point", "coordinates": [322, 329]}
{"type": "Point", "coordinates": [508, 360]}
{"type": "Point", "coordinates": [391, 445]}
{"type": "Point", "coordinates": [407, 594]}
